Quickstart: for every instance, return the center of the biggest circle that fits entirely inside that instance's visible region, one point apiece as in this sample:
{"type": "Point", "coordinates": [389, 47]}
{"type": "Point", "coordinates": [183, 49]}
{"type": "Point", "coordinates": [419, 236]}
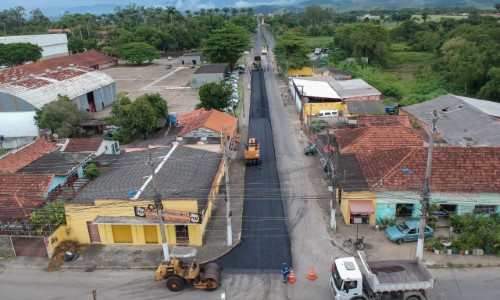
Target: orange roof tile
{"type": "Point", "coordinates": [213, 120]}
{"type": "Point", "coordinates": [83, 145]}
{"type": "Point", "coordinates": [26, 155]}
{"type": "Point", "coordinates": [376, 138]}
{"type": "Point", "coordinates": [22, 194]}
{"type": "Point", "coordinates": [85, 59]}
{"type": "Point", "coordinates": [183, 118]}
{"type": "Point", "coordinates": [454, 169]}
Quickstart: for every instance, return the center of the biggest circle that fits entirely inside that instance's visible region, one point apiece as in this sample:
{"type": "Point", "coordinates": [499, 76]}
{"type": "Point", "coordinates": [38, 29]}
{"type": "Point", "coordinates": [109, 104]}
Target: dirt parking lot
{"type": "Point", "coordinates": [172, 84]}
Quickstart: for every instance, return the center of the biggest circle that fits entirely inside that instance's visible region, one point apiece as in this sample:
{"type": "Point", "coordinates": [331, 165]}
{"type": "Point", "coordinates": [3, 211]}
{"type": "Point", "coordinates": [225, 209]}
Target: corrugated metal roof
{"type": "Point", "coordinates": [39, 39]}
{"type": "Point", "coordinates": [365, 107]}
{"type": "Point", "coordinates": [214, 68]}
{"type": "Point", "coordinates": [458, 120]}
{"type": "Point", "coordinates": [72, 82]}
{"type": "Point", "coordinates": [354, 88]}
{"type": "Point", "coordinates": [314, 88]}
{"type": "Point", "coordinates": [83, 60]}
{"type": "Point", "coordinates": [488, 107]}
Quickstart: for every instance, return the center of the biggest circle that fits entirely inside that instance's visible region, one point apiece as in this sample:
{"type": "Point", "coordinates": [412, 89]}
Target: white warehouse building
{"type": "Point", "coordinates": [52, 45]}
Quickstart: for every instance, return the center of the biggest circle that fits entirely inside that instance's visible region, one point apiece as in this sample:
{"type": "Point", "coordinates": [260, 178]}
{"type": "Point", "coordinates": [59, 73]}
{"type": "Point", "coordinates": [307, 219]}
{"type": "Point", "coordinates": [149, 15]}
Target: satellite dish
{"type": "Point", "coordinates": [55, 135]}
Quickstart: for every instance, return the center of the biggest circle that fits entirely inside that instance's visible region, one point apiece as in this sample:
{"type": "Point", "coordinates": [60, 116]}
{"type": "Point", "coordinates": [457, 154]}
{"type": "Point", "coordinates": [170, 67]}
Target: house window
{"type": "Point", "coordinates": [485, 209]}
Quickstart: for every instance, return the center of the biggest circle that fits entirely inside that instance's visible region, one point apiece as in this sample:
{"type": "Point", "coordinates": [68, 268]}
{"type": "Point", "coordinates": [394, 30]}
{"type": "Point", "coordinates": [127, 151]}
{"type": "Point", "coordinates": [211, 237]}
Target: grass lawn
{"type": "Point", "coordinates": [404, 63]}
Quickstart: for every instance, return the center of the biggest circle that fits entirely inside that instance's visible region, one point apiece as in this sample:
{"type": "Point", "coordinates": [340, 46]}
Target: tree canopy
{"type": "Point", "coordinates": [138, 53]}
{"type": "Point", "coordinates": [291, 51]}
{"type": "Point", "coordinates": [226, 45]}
{"type": "Point", "coordinates": [215, 95]}
{"type": "Point", "coordinates": [60, 116]}
{"type": "Point", "coordinates": [139, 117]}
{"type": "Point", "coordinates": [18, 53]}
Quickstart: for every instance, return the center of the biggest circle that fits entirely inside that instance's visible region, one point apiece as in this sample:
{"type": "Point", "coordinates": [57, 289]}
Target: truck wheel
{"type": "Point", "coordinates": [399, 241]}
{"type": "Point", "coordinates": [175, 283]}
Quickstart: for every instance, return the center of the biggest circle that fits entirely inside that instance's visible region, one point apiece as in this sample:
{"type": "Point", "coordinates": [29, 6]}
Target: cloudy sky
{"type": "Point", "coordinates": [179, 4]}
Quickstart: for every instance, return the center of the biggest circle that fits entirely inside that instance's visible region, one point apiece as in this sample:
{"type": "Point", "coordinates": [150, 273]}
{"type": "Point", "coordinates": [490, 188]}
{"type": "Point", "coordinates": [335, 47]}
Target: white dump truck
{"type": "Point", "coordinates": [381, 280]}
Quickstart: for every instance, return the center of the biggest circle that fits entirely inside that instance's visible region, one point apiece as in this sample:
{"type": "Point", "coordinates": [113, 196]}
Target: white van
{"type": "Point", "coordinates": [317, 51]}
{"type": "Point", "coordinates": [328, 113]}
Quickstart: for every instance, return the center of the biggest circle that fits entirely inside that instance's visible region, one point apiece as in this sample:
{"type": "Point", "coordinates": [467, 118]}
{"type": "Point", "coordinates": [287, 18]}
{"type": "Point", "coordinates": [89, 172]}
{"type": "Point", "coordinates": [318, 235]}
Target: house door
{"type": "Point", "coordinates": [122, 233]}
{"type": "Point", "coordinates": [181, 234]}
{"type": "Point", "coordinates": [151, 234]}
{"type": "Point", "coordinates": [194, 62]}
{"type": "Point", "coordinates": [93, 232]}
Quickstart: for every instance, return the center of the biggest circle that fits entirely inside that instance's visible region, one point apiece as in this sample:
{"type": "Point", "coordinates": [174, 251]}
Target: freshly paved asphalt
{"type": "Point", "coordinates": [265, 243]}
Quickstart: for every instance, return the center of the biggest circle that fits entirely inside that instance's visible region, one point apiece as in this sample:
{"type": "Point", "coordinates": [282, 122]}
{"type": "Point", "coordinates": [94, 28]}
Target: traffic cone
{"type": "Point", "coordinates": [291, 277]}
{"type": "Point", "coordinates": [311, 275]}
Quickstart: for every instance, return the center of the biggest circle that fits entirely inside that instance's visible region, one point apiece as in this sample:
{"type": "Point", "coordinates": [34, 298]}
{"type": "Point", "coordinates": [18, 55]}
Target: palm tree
{"type": "Point", "coordinates": [171, 12]}
{"type": "Point", "coordinates": [226, 12]}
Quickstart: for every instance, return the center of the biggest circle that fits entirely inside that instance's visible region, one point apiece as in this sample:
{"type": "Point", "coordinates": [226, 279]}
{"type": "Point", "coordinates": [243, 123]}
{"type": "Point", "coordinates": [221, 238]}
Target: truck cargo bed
{"type": "Point", "coordinates": [396, 275]}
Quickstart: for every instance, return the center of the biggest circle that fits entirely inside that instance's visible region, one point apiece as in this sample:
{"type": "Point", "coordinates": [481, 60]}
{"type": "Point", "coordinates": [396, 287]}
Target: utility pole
{"type": "Point", "coordinates": [334, 189]}
{"type": "Point", "coordinates": [159, 209]}
{"type": "Point", "coordinates": [228, 198]}
{"type": "Point", "coordinates": [424, 211]}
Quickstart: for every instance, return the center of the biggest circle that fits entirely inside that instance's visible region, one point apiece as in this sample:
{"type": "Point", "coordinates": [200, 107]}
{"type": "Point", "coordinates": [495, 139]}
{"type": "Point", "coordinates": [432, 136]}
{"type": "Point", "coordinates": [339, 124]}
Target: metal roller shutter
{"type": "Point", "coordinates": [122, 233]}
{"type": "Point", "coordinates": [151, 234]}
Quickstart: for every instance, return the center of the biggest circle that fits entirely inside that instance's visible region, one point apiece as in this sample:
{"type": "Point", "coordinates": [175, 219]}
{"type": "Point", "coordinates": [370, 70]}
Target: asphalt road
{"type": "Point", "coordinates": [265, 243]}
{"type": "Point", "coordinates": [465, 284]}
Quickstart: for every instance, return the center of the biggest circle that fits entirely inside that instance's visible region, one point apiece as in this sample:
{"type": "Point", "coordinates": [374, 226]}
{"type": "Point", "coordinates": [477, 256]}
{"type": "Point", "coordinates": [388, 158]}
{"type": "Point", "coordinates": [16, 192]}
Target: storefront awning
{"type": "Point", "coordinates": [361, 207]}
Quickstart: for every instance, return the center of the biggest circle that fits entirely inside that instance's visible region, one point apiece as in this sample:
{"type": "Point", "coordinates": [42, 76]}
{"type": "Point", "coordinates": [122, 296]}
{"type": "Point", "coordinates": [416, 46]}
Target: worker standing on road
{"type": "Point", "coordinates": [285, 269]}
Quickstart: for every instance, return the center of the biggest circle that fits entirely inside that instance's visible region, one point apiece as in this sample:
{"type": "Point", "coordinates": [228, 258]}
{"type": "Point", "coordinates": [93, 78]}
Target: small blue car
{"type": "Point", "coordinates": [406, 231]}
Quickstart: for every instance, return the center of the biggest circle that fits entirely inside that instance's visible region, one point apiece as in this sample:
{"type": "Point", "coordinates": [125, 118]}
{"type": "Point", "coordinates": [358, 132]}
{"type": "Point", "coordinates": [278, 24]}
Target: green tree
{"type": "Point", "coordinates": [158, 103]}
{"type": "Point", "coordinates": [491, 90]}
{"type": "Point", "coordinates": [215, 95]}
{"type": "Point", "coordinates": [138, 52]}
{"type": "Point", "coordinates": [49, 218]}
{"type": "Point", "coordinates": [291, 51]}
{"type": "Point", "coordinates": [139, 117]}
{"type": "Point", "coordinates": [18, 53]}
{"type": "Point", "coordinates": [425, 41]}
{"type": "Point", "coordinates": [91, 171]}
{"type": "Point", "coordinates": [60, 116]}
{"type": "Point", "coordinates": [365, 39]}
{"type": "Point", "coordinates": [463, 61]}
{"type": "Point", "coordinates": [76, 45]}
{"type": "Point", "coordinates": [226, 45]}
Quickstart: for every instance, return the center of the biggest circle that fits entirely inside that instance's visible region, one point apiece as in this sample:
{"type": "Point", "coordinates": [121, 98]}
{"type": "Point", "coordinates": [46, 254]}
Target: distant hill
{"type": "Point", "coordinates": [294, 6]}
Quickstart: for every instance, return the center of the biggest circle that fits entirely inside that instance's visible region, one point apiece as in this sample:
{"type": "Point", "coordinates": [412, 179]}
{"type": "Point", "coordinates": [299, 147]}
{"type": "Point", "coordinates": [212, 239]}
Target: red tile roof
{"type": "Point", "coordinates": [21, 194]}
{"type": "Point", "coordinates": [85, 59]}
{"type": "Point", "coordinates": [213, 120]}
{"type": "Point", "coordinates": [376, 138]}
{"type": "Point", "coordinates": [26, 155]}
{"type": "Point", "coordinates": [83, 145]}
{"type": "Point", "coordinates": [183, 118]}
{"type": "Point", "coordinates": [454, 169]}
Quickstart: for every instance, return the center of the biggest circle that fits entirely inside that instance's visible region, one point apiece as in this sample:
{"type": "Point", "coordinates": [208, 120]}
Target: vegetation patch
{"type": "Point", "coordinates": [57, 259]}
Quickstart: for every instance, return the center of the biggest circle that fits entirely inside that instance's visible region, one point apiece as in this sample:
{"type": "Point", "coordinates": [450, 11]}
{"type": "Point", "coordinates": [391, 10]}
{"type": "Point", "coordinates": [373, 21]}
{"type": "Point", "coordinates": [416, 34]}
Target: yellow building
{"type": "Point", "coordinates": [359, 207]}
{"type": "Point", "coordinates": [305, 71]}
{"type": "Point", "coordinates": [118, 207]}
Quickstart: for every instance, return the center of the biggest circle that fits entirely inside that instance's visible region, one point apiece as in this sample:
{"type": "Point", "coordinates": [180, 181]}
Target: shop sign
{"type": "Point", "coordinates": [151, 212]}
